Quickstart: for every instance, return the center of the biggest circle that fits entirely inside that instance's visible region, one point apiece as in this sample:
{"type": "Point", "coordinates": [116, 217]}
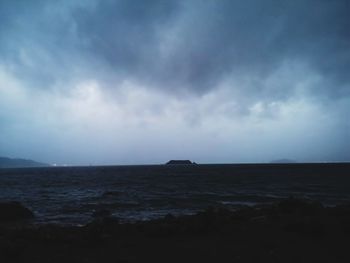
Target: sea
{"type": "Point", "coordinates": [75, 195]}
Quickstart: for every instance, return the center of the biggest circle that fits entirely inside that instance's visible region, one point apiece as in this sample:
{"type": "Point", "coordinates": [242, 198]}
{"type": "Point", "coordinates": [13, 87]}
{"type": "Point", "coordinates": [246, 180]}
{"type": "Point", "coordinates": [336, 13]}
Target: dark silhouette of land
{"type": "Point", "coordinates": [283, 161]}
{"type": "Point", "coordinates": [180, 162]}
{"type": "Point", "coordinates": [14, 211]}
{"type": "Point", "coordinates": [292, 230]}
{"type": "Point", "coordinates": [18, 163]}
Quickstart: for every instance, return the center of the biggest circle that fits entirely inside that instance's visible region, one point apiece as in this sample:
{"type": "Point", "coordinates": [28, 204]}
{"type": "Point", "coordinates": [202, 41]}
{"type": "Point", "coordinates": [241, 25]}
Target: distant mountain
{"type": "Point", "coordinates": [17, 163]}
{"type": "Point", "coordinates": [283, 161]}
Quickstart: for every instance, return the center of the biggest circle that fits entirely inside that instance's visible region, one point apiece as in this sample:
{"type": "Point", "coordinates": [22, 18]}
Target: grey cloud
{"type": "Point", "coordinates": [212, 40]}
{"type": "Point", "coordinates": [123, 34]}
{"type": "Point", "coordinates": [180, 45]}
{"type": "Point", "coordinates": [38, 42]}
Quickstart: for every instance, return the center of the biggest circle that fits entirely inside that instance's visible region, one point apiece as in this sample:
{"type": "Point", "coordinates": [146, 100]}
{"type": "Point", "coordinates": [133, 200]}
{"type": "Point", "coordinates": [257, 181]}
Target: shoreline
{"type": "Point", "coordinates": [292, 230]}
{"type": "Point", "coordinates": [345, 164]}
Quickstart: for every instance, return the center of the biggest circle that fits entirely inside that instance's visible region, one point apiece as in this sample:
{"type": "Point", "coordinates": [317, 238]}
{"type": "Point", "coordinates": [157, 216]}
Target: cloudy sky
{"type": "Point", "coordinates": [132, 81]}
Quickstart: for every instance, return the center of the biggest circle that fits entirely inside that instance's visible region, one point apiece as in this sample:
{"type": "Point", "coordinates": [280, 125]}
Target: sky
{"type": "Point", "coordinates": [136, 82]}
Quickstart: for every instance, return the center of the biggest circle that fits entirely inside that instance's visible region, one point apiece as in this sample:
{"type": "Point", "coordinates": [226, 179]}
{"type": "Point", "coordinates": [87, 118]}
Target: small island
{"type": "Point", "coordinates": [182, 162]}
{"type": "Point", "coordinates": [283, 161]}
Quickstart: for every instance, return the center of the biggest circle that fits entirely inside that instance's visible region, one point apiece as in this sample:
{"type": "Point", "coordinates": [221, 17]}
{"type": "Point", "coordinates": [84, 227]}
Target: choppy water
{"type": "Point", "coordinates": [71, 195]}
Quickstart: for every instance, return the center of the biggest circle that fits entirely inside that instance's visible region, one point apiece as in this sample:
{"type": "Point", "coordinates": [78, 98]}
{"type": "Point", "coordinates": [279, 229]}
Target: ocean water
{"type": "Point", "coordinates": [71, 195]}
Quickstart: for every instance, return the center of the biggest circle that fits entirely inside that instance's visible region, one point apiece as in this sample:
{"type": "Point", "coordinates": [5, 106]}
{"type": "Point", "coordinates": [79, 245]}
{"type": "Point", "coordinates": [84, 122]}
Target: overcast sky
{"type": "Point", "coordinates": [132, 81]}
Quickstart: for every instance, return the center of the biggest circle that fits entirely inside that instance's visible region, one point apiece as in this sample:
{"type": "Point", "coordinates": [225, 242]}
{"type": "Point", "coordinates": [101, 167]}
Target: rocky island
{"type": "Point", "coordinates": [180, 162]}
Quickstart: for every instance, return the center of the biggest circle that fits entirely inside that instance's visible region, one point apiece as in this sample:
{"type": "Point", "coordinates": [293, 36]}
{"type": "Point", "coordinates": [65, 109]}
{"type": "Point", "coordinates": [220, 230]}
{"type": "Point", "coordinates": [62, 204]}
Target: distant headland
{"type": "Point", "coordinates": [171, 162]}
{"type": "Point", "coordinates": [19, 163]}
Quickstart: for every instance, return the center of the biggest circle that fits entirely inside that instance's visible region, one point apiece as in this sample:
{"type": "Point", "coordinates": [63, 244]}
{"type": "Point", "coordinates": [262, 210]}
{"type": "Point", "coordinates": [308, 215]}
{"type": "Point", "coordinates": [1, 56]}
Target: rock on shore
{"type": "Point", "coordinates": [14, 211]}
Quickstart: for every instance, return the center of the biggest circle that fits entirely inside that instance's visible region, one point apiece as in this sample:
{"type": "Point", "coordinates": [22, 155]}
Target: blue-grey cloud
{"type": "Point", "coordinates": [194, 44]}
{"type": "Point", "coordinates": [179, 44]}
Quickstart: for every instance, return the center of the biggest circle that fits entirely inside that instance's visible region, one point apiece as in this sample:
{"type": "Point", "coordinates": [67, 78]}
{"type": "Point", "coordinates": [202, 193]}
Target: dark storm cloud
{"type": "Point", "coordinates": [125, 35]}
{"type": "Point", "coordinates": [38, 42]}
{"type": "Point", "coordinates": [180, 45]}
{"type": "Point", "coordinates": [212, 40]}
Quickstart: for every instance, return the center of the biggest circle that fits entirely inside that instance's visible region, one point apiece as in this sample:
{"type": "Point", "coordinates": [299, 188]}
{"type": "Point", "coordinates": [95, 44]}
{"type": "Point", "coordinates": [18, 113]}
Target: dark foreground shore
{"type": "Point", "coordinates": [290, 231]}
